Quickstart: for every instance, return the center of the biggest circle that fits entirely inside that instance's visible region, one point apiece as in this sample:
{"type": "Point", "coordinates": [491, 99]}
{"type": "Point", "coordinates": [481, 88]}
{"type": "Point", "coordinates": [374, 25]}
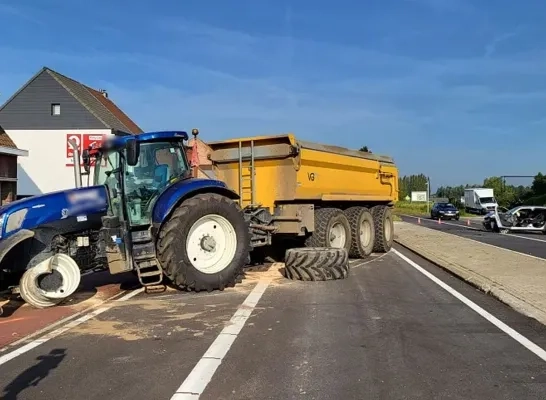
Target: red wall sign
{"type": "Point", "coordinates": [83, 141]}
{"type": "Point", "coordinates": [69, 151]}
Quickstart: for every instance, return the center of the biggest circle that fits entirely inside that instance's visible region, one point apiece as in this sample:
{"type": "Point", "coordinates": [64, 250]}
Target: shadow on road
{"type": "Point", "coordinates": [34, 375]}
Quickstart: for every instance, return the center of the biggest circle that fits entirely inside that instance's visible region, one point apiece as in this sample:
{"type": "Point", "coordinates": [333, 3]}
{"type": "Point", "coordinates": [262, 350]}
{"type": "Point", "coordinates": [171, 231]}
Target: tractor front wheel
{"type": "Point", "coordinates": [205, 244]}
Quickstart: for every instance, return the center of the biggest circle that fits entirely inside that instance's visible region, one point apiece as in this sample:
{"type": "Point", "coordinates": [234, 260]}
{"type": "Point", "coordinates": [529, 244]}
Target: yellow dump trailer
{"type": "Point", "coordinates": [326, 195]}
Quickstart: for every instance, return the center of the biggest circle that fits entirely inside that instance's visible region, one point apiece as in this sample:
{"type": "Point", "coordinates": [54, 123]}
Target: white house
{"type": "Point", "coordinates": [43, 115]}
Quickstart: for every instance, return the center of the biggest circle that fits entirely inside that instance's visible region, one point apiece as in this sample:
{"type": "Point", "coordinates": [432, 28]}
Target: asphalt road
{"type": "Point", "coordinates": [386, 332]}
{"type": "Point", "coordinates": [527, 243]}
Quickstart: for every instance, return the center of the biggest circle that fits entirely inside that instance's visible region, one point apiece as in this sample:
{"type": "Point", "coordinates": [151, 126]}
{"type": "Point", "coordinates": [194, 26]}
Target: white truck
{"type": "Point", "coordinates": [479, 200]}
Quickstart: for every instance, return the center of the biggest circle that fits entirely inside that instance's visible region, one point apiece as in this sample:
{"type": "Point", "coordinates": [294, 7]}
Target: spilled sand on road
{"type": "Point", "coordinates": [111, 329]}
{"type": "Point", "coordinates": [274, 274]}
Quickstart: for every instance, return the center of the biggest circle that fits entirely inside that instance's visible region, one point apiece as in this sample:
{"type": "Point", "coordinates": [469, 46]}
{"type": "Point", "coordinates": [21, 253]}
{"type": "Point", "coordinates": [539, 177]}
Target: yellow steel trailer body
{"type": "Point", "coordinates": [290, 178]}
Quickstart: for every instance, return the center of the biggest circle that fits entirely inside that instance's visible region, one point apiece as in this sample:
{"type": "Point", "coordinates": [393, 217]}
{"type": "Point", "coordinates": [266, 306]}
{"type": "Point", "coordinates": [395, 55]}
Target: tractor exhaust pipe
{"type": "Point", "coordinates": [77, 166]}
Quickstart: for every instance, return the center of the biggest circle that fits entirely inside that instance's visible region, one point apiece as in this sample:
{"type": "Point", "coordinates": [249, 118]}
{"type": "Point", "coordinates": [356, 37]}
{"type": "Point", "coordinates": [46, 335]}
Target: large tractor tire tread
{"type": "Point", "coordinates": [382, 216]}
{"type": "Point", "coordinates": [355, 215]}
{"type": "Point", "coordinates": [316, 264]}
{"type": "Point", "coordinates": [323, 219]}
{"type": "Point", "coordinates": [171, 244]}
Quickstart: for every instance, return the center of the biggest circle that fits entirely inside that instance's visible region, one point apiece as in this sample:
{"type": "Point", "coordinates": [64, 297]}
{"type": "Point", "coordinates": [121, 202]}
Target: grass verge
{"type": "Point", "coordinates": [420, 209]}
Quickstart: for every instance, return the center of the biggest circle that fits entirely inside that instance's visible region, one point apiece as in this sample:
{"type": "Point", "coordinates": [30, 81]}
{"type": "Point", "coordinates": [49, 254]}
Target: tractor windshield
{"type": "Point", "coordinates": [159, 165]}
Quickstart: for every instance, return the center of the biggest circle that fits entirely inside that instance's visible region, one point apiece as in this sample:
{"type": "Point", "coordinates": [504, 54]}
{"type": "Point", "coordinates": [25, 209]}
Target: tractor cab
{"type": "Point", "coordinates": [137, 170]}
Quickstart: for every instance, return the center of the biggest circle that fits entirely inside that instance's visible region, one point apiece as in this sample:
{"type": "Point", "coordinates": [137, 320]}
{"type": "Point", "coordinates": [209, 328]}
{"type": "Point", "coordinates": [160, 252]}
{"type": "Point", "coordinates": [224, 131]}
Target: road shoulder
{"type": "Point", "coordinates": [515, 279]}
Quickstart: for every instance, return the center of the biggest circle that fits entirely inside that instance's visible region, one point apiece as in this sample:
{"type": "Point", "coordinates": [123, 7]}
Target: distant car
{"type": "Point", "coordinates": [517, 219]}
{"type": "Point", "coordinates": [444, 211]}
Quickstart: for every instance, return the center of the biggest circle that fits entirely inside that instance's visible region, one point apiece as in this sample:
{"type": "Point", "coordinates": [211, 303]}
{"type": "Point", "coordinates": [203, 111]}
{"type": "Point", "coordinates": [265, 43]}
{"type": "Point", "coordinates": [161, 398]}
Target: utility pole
{"type": "Point", "coordinates": [428, 194]}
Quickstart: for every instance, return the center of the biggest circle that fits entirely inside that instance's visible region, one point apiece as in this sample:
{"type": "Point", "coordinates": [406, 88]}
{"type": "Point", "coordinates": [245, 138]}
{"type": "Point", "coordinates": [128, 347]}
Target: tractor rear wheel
{"type": "Point", "coordinates": [384, 228]}
{"type": "Point", "coordinates": [204, 244]}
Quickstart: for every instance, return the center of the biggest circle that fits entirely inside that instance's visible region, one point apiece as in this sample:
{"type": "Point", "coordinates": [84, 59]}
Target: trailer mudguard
{"type": "Point", "coordinates": [183, 189]}
{"type": "Point", "coordinates": [9, 243]}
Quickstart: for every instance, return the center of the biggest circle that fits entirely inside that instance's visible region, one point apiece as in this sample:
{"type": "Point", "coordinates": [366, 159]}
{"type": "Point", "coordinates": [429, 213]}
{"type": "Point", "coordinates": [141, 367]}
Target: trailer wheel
{"type": "Point", "coordinates": [316, 264]}
{"type": "Point", "coordinates": [332, 229]}
{"type": "Point", "coordinates": [362, 231]}
{"type": "Point", "coordinates": [384, 228]}
{"type": "Point", "coordinates": [204, 244]}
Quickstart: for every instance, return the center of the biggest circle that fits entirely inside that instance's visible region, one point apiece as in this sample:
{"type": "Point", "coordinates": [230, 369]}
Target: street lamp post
{"type": "Point", "coordinates": [428, 195]}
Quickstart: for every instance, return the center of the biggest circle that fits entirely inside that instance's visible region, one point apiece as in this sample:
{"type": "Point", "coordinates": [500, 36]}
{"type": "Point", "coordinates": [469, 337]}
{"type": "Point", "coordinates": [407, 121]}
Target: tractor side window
{"type": "Point", "coordinates": [106, 174]}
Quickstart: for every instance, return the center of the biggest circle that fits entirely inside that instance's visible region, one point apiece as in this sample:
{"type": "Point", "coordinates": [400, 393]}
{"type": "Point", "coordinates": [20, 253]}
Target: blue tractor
{"type": "Point", "coordinates": [144, 212]}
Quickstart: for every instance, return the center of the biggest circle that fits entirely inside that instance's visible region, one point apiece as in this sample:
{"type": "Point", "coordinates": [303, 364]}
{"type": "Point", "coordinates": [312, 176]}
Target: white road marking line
{"type": "Point", "coordinates": [538, 351]}
{"type": "Point", "coordinates": [204, 370]}
{"type": "Point", "coordinates": [57, 323]}
{"type": "Point", "coordinates": [492, 245]}
{"type": "Point", "coordinates": [480, 230]}
{"type": "Point", "coordinates": [367, 261]}
{"type": "Point", "coordinates": [35, 343]}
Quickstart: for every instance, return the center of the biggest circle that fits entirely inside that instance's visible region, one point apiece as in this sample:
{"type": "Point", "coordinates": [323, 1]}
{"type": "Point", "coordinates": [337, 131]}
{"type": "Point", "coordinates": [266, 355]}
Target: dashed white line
{"type": "Point", "coordinates": [538, 351]}
{"type": "Point", "coordinates": [477, 229]}
{"type": "Point", "coordinates": [198, 379]}
{"type": "Point", "coordinates": [37, 342]}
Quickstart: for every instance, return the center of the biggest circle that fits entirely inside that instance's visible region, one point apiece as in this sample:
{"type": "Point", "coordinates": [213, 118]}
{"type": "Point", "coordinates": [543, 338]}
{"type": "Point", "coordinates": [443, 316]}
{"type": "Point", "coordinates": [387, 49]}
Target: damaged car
{"type": "Point", "coordinates": [517, 219]}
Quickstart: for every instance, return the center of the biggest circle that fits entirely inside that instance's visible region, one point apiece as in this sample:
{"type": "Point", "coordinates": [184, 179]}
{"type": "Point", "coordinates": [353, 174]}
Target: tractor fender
{"type": "Point", "coordinates": [10, 242]}
{"type": "Point", "coordinates": [181, 190]}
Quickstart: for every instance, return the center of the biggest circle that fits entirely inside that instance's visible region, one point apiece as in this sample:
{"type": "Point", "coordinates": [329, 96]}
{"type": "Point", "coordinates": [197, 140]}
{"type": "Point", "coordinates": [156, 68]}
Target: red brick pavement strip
{"type": "Point", "coordinates": [20, 320]}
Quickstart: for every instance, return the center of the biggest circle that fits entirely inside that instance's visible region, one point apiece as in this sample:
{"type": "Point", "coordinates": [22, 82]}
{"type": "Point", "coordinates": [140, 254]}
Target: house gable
{"type": "Point", "coordinates": [50, 100]}
{"type": "Point", "coordinates": [30, 108]}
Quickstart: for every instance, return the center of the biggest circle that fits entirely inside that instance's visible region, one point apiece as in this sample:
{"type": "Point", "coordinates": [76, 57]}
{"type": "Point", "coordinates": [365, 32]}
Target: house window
{"type": "Point", "coordinates": [55, 109]}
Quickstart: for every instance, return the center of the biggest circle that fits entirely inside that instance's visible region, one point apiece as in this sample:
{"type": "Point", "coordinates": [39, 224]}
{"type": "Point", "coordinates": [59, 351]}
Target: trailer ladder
{"type": "Point", "coordinates": [247, 181]}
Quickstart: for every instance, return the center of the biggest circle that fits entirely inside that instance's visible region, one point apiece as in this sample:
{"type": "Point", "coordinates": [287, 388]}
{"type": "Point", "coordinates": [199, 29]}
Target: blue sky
{"type": "Point", "coordinates": [454, 89]}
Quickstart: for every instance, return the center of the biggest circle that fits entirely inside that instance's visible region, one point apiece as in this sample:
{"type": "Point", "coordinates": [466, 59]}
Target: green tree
{"type": "Point", "coordinates": [364, 149]}
{"type": "Point", "coordinates": [505, 194]}
{"type": "Point", "coordinates": [539, 185]}
{"type": "Point", "coordinates": [411, 183]}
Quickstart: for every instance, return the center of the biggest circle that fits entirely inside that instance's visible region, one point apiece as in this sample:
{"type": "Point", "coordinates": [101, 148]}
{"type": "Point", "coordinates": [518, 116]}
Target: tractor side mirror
{"type": "Point", "coordinates": [86, 160]}
{"type": "Point", "coordinates": [133, 151]}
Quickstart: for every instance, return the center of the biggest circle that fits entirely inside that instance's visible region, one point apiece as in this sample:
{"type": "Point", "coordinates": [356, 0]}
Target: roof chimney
{"type": "Point", "coordinates": [104, 93]}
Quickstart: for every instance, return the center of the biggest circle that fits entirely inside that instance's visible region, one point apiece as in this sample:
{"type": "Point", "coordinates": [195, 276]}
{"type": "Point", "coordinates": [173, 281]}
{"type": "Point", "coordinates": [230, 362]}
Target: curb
{"type": "Point", "coordinates": [483, 283]}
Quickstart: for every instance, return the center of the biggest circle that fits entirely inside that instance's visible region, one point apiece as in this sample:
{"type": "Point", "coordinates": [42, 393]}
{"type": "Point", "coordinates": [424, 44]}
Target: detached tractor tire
{"type": "Point", "coordinates": [316, 264]}
{"type": "Point", "coordinates": [50, 282]}
{"type": "Point", "coordinates": [204, 244]}
{"type": "Point", "coordinates": [384, 228]}
{"type": "Point", "coordinates": [362, 231]}
{"type": "Point", "coordinates": [332, 229]}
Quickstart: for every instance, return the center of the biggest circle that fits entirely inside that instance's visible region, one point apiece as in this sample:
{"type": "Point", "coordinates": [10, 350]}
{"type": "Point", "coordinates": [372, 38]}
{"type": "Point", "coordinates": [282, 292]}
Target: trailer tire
{"type": "Point", "coordinates": [191, 235]}
{"type": "Point", "coordinates": [362, 231]}
{"type": "Point", "coordinates": [316, 264]}
{"type": "Point", "coordinates": [326, 220]}
{"type": "Point", "coordinates": [384, 228]}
